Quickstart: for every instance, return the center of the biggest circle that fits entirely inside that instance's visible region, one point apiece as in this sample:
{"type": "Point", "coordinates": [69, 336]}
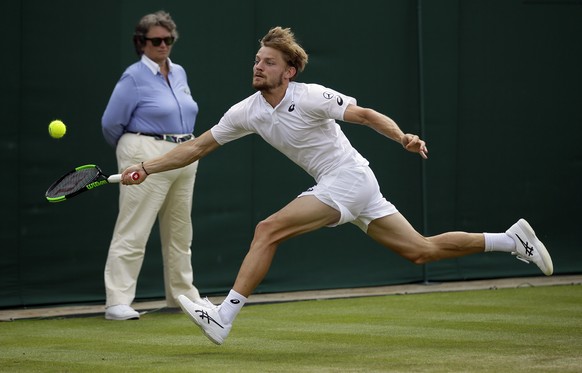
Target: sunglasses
{"type": "Point", "coordinates": [156, 42]}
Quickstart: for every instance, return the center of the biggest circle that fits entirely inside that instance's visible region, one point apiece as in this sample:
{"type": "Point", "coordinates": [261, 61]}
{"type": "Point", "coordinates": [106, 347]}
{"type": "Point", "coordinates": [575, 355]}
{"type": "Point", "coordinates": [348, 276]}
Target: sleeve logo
{"type": "Point", "coordinates": [328, 95]}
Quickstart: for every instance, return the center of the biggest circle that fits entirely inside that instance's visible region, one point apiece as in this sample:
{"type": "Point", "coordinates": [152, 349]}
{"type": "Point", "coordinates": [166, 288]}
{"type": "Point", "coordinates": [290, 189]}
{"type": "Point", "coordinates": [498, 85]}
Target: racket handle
{"type": "Point", "coordinates": [117, 177]}
{"type": "Point", "coordinates": [114, 178]}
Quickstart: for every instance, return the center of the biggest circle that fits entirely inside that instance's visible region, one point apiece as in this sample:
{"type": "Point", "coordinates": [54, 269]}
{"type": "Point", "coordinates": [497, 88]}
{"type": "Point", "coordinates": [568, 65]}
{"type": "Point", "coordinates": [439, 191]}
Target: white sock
{"type": "Point", "coordinates": [499, 242]}
{"type": "Point", "coordinates": [231, 306]}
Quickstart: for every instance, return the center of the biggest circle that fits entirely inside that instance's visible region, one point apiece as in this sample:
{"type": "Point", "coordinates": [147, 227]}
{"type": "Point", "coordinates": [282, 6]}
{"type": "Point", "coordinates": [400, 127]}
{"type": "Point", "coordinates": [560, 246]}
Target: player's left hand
{"type": "Point", "coordinates": [414, 144]}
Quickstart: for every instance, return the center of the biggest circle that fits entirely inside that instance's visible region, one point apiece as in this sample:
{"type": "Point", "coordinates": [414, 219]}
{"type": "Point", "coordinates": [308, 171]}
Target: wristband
{"type": "Point", "coordinates": [144, 170]}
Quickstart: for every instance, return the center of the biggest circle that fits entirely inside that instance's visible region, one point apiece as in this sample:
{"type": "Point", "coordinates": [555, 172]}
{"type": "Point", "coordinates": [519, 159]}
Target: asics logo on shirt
{"type": "Point", "coordinates": [291, 108]}
{"type": "Point", "coordinates": [329, 96]}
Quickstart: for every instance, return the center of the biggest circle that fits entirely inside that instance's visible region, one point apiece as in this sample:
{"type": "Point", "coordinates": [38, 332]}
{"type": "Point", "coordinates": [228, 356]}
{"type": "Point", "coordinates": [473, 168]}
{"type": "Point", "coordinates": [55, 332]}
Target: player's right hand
{"type": "Point", "coordinates": [133, 175]}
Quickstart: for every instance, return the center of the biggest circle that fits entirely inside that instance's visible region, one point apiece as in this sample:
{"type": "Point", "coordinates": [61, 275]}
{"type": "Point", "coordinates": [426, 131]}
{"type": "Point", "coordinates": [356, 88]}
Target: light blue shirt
{"type": "Point", "coordinates": [142, 101]}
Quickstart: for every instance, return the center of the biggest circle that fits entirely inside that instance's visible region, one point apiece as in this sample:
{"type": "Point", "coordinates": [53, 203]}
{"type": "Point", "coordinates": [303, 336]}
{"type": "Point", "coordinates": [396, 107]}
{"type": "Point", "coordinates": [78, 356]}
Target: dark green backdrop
{"type": "Point", "coordinates": [495, 87]}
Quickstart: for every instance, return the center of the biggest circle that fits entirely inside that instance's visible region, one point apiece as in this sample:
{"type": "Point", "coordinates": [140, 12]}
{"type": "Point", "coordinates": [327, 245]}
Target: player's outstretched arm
{"type": "Point", "coordinates": [182, 155]}
{"type": "Point", "coordinates": [387, 127]}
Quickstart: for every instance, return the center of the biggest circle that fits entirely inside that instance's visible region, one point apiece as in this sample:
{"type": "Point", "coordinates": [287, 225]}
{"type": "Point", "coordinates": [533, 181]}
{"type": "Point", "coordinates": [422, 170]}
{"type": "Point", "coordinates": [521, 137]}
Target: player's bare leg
{"type": "Point", "coordinates": [300, 216]}
{"type": "Point", "coordinates": [396, 233]}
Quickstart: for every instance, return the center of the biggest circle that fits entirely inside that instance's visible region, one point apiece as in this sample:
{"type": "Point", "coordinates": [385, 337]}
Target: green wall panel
{"type": "Point", "coordinates": [495, 87]}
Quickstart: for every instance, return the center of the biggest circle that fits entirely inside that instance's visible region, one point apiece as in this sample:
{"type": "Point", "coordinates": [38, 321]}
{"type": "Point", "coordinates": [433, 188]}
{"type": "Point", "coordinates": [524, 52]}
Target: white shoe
{"type": "Point", "coordinates": [529, 247]}
{"type": "Point", "coordinates": [206, 317]}
{"type": "Point", "coordinates": [121, 312]}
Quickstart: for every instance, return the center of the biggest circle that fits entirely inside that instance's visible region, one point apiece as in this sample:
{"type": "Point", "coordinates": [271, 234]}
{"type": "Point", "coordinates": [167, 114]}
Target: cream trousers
{"type": "Point", "coordinates": [166, 196]}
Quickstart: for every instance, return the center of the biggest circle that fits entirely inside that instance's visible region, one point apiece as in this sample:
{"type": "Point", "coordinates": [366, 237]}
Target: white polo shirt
{"type": "Point", "coordinates": [303, 127]}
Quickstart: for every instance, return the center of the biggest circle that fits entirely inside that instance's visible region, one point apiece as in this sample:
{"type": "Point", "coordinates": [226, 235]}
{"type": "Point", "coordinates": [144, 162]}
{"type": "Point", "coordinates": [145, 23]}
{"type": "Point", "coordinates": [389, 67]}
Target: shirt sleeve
{"type": "Point", "coordinates": [122, 103]}
{"type": "Point", "coordinates": [323, 103]}
{"type": "Point", "coordinates": [232, 125]}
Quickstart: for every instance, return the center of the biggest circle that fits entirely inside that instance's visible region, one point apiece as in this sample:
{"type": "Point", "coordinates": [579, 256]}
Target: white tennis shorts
{"type": "Point", "coordinates": [355, 193]}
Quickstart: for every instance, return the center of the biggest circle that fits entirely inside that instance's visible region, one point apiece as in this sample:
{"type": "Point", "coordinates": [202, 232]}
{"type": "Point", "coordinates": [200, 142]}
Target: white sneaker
{"type": "Point", "coordinates": [206, 318]}
{"type": "Point", "coordinates": [529, 247]}
{"type": "Point", "coordinates": [121, 312]}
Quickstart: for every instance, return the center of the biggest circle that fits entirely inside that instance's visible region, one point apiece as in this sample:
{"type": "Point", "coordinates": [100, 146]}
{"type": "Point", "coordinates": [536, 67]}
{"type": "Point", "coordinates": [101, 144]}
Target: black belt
{"type": "Point", "coordinates": [170, 138]}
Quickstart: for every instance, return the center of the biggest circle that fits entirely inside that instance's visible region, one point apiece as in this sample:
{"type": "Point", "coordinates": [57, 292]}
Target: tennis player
{"type": "Point", "coordinates": [299, 120]}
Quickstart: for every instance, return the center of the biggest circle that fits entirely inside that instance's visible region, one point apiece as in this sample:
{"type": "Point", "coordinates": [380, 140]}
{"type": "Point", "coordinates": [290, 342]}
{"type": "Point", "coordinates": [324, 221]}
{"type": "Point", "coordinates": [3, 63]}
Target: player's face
{"type": "Point", "coordinates": [269, 70]}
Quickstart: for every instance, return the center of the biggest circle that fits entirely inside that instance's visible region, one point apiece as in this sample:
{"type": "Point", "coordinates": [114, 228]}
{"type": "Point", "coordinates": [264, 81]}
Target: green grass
{"type": "Point", "coordinates": [510, 330]}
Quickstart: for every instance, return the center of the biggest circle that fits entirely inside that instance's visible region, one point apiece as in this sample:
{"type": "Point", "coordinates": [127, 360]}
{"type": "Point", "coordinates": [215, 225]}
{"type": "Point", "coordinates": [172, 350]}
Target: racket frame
{"type": "Point", "coordinates": [99, 179]}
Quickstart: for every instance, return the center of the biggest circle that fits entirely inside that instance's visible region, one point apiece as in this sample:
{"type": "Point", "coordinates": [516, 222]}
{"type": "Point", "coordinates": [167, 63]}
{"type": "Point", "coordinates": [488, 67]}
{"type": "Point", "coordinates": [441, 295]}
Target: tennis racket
{"type": "Point", "coordinates": [79, 180]}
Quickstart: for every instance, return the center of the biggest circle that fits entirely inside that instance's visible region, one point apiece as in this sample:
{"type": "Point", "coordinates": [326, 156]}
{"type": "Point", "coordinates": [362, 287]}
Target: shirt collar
{"type": "Point", "coordinates": [289, 93]}
{"type": "Point", "coordinates": [154, 67]}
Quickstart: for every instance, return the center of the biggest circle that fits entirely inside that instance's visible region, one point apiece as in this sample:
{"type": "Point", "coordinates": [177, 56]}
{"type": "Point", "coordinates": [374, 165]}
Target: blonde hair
{"type": "Point", "coordinates": [283, 40]}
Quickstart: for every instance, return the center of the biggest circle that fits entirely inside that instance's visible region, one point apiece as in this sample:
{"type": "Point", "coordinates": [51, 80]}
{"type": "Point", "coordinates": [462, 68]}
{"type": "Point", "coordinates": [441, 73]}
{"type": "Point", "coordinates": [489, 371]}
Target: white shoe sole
{"type": "Point", "coordinates": [115, 318]}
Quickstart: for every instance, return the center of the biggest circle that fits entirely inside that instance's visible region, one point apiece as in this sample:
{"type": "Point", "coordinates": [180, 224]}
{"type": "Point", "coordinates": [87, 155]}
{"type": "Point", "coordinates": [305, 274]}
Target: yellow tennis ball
{"type": "Point", "coordinates": [57, 129]}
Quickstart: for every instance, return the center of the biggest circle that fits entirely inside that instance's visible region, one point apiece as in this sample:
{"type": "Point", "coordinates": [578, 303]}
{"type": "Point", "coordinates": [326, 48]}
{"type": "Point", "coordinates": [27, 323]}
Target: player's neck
{"type": "Point", "coordinates": [274, 96]}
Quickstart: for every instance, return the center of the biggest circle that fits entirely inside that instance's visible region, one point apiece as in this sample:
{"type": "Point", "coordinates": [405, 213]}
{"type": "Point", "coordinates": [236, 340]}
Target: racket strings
{"type": "Point", "coordinates": [72, 182]}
